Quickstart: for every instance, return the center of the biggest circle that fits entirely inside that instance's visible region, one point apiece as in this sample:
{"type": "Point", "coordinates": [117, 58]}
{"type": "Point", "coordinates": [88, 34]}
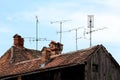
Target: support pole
{"type": "Point", "coordinates": [36, 33]}
{"type": "Point", "coordinates": [90, 26]}
{"type": "Point", "coordinates": [60, 32]}
{"type": "Point", "coordinates": [76, 39]}
{"type": "Point", "coordinates": [90, 33]}
{"type": "Point", "coordinates": [90, 36]}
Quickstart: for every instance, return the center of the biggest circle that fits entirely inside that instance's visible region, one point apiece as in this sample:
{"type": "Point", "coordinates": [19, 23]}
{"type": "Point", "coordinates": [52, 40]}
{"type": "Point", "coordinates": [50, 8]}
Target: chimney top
{"type": "Point", "coordinates": [18, 41]}
{"type": "Point", "coordinates": [52, 42]}
{"type": "Point", "coordinates": [16, 35]}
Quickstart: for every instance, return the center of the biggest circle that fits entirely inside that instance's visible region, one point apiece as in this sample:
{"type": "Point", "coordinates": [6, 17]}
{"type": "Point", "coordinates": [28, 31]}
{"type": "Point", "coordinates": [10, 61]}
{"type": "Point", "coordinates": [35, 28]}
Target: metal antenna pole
{"type": "Point", "coordinates": [76, 40]}
{"type": "Point", "coordinates": [60, 31]}
{"type": "Point", "coordinates": [90, 25]}
{"type": "Point", "coordinates": [36, 33]}
{"type": "Point", "coordinates": [90, 33]}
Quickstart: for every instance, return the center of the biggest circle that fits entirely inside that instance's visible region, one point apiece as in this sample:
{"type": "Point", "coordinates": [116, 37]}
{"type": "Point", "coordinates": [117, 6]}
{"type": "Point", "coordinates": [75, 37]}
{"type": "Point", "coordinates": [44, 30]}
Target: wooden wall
{"type": "Point", "coordinates": [68, 73]}
{"type": "Point", "coordinates": [100, 66]}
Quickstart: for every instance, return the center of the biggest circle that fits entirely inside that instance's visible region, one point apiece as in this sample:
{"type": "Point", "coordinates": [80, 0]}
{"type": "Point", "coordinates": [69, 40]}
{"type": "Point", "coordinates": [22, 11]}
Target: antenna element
{"type": "Point", "coordinates": [60, 22]}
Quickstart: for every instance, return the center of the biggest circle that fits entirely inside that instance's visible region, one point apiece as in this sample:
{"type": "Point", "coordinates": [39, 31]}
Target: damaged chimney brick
{"type": "Point", "coordinates": [45, 54]}
{"type": "Point", "coordinates": [54, 50]}
{"type": "Point", "coordinates": [18, 41]}
{"type": "Point", "coordinates": [59, 48]}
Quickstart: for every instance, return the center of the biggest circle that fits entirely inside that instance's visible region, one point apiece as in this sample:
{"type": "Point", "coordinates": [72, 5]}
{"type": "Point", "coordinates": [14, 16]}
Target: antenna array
{"type": "Point", "coordinates": [90, 26]}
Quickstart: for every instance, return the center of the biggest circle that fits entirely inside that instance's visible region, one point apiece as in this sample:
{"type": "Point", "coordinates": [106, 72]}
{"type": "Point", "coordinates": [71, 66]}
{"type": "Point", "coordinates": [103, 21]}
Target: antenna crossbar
{"type": "Point", "coordinates": [76, 34]}
{"type": "Point", "coordinates": [60, 22]}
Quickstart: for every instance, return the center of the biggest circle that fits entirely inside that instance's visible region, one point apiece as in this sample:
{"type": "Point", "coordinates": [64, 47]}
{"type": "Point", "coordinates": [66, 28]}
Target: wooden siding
{"type": "Point", "coordinates": [106, 67]}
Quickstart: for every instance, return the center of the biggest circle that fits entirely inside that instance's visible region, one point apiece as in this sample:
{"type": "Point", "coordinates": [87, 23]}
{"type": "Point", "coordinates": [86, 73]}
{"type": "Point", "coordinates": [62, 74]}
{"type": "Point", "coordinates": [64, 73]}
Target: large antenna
{"type": "Point", "coordinates": [90, 25]}
{"type": "Point", "coordinates": [36, 39]}
{"type": "Point", "coordinates": [60, 22]}
{"type": "Point", "coordinates": [76, 31]}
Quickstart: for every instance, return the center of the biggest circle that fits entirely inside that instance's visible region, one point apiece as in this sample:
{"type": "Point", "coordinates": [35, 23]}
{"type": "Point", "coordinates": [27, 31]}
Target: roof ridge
{"type": "Point", "coordinates": [82, 49]}
{"type": "Point", "coordinates": [27, 61]}
{"type": "Point", "coordinates": [61, 55]}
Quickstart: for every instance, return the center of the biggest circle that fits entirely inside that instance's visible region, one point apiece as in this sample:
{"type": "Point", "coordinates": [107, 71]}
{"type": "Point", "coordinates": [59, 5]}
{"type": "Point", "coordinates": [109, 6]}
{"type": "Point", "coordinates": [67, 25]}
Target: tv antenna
{"type": "Point", "coordinates": [60, 22]}
{"type": "Point", "coordinates": [36, 39]}
{"type": "Point", "coordinates": [76, 31]}
{"type": "Point", "coordinates": [91, 25]}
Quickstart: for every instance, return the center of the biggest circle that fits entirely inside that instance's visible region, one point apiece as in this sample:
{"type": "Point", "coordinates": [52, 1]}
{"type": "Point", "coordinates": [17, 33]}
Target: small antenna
{"type": "Point", "coordinates": [60, 22]}
{"type": "Point", "coordinates": [76, 30]}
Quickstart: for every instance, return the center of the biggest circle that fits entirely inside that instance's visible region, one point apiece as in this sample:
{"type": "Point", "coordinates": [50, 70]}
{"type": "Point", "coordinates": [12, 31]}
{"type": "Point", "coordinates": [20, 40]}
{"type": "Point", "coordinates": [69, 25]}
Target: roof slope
{"type": "Point", "coordinates": [25, 60]}
{"type": "Point", "coordinates": [15, 55]}
{"type": "Point", "coordinates": [32, 64]}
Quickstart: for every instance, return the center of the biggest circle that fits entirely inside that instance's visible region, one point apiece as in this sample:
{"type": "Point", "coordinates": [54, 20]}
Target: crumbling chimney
{"type": "Point", "coordinates": [54, 50]}
{"type": "Point", "coordinates": [45, 54]}
{"type": "Point", "coordinates": [59, 48]}
{"type": "Point", "coordinates": [18, 41]}
{"type": "Point", "coordinates": [55, 47]}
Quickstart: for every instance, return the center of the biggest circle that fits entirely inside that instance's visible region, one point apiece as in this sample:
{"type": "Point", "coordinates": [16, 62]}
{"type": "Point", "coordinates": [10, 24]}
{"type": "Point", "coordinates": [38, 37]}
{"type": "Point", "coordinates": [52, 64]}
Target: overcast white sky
{"type": "Point", "coordinates": [19, 17]}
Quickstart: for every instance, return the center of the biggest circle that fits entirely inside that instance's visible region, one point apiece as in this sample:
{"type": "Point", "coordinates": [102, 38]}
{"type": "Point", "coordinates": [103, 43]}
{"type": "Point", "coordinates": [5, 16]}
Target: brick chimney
{"type": "Point", "coordinates": [18, 41]}
{"type": "Point", "coordinates": [49, 53]}
{"type": "Point", "coordinates": [46, 53]}
{"type": "Point", "coordinates": [55, 47]}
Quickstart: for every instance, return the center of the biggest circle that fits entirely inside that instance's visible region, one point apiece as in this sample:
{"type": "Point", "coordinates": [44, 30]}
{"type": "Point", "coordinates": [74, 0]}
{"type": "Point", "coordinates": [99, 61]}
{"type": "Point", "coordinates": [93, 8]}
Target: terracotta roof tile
{"type": "Point", "coordinates": [15, 55]}
{"type": "Point", "coordinates": [31, 61]}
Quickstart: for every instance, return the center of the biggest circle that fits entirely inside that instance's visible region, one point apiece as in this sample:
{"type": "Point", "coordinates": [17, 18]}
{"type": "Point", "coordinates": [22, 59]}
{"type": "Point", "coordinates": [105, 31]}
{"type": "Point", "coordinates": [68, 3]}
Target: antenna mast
{"type": "Point", "coordinates": [90, 25]}
{"type": "Point", "coordinates": [36, 38]}
{"type": "Point", "coordinates": [37, 33]}
{"type": "Point", "coordinates": [60, 22]}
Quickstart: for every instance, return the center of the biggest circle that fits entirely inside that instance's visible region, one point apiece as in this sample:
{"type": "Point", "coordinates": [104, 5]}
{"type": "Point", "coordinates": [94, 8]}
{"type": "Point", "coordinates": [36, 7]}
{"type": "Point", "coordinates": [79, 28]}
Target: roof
{"type": "Point", "coordinates": [16, 54]}
{"type": "Point", "coordinates": [31, 61]}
